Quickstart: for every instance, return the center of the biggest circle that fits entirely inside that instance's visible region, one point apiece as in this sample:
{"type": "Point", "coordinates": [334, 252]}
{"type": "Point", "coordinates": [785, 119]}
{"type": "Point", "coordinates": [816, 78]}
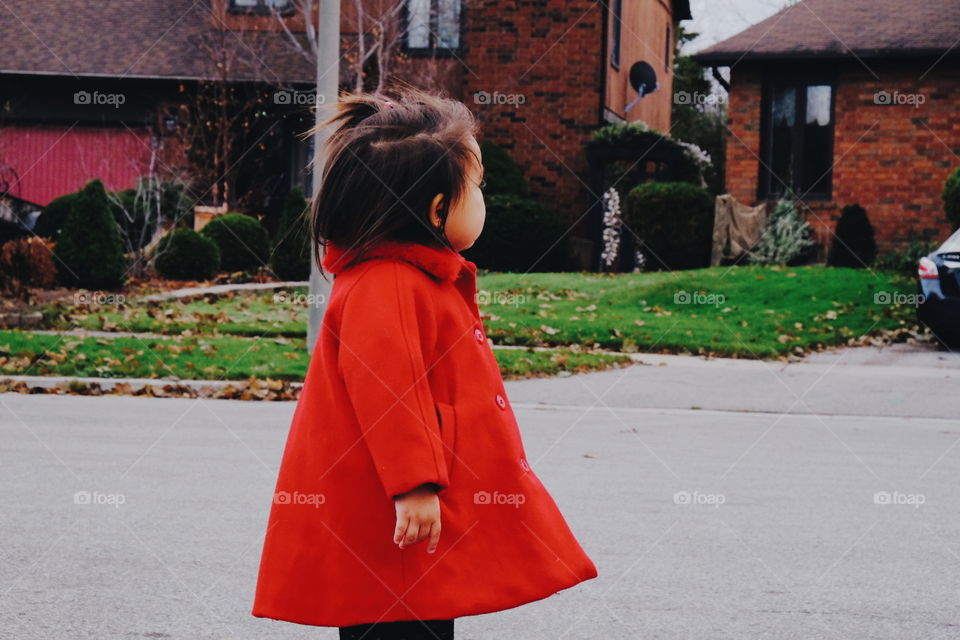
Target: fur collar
{"type": "Point", "coordinates": [440, 262]}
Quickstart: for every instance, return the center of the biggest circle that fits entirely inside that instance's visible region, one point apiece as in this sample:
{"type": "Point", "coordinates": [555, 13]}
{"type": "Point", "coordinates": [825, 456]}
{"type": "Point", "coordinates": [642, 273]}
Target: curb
{"type": "Point", "coordinates": [220, 288]}
{"type": "Point", "coordinates": [52, 382]}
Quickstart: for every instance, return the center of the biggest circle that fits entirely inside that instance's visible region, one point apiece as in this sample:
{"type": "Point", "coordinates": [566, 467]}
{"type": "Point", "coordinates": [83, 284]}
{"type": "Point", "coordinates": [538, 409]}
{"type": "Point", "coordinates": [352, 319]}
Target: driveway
{"type": "Point", "coordinates": [720, 499]}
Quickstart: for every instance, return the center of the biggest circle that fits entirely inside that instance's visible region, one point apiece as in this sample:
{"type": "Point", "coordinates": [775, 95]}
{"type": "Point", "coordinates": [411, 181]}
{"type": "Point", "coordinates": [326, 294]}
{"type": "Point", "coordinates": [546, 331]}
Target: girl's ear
{"type": "Point", "coordinates": [435, 210]}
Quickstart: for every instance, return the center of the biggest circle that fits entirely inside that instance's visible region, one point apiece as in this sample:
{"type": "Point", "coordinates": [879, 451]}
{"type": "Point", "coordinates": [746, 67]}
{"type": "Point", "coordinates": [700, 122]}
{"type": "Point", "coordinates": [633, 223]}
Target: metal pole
{"type": "Point", "coordinates": [328, 76]}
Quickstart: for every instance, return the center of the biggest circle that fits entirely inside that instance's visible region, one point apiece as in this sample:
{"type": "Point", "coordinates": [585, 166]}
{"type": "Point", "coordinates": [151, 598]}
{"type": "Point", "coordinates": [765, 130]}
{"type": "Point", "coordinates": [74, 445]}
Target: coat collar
{"type": "Point", "coordinates": [440, 262]}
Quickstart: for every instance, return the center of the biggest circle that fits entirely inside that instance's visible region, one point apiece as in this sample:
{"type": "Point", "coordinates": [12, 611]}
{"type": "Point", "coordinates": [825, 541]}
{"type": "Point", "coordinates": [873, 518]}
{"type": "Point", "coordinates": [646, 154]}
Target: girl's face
{"type": "Point", "coordinates": [466, 216]}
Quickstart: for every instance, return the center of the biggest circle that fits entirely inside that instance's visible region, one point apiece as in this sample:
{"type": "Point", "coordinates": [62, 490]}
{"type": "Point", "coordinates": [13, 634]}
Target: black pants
{"type": "Point", "coordinates": [402, 630]}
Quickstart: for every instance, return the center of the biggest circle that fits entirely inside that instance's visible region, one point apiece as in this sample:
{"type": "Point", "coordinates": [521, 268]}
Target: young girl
{"type": "Point", "coordinates": [405, 498]}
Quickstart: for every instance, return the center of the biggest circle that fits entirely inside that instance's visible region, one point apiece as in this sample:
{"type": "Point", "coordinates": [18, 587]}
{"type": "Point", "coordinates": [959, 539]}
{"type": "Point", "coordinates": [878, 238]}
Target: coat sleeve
{"type": "Point", "coordinates": [385, 330]}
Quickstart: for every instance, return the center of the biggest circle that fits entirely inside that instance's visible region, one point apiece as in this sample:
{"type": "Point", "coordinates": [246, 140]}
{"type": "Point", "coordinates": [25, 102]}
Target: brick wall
{"type": "Point", "coordinates": [891, 159]}
{"type": "Point", "coordinates": [547, 54]}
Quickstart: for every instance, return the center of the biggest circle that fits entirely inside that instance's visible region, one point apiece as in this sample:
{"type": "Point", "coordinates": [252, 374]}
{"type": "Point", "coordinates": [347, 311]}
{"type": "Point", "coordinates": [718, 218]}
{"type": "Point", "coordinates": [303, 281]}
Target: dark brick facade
{"type": "Point", "coordinates": [892, 159]}
{"type": "Point", "coordinates": [551, 58]}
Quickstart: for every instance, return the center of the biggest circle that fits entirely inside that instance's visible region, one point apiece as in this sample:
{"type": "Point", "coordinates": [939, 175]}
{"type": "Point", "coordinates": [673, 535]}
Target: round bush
{"type": "Point", "coordinates": [89, 250]}
{"type": "Point", "coordinates": [242, 241]}
{"type": "Point", "coordinates": [673, 222]}
{"type": "Point", "coordinates": [951, 197]}
{"type": "Point", "coordinates": [27, 262]}
{"type": "Point", "coordinates": [187, 255]}
{"type": "Point", "coordinates": [54, 216]}
{"type": "Point", "coordinates": [291, 250]}
{"type": "Point", "coordinates": [853, 243]}
{"type": "Point", "coordinates": [502, 174]}
{"type": "Point", "coordinates": [520, 235]}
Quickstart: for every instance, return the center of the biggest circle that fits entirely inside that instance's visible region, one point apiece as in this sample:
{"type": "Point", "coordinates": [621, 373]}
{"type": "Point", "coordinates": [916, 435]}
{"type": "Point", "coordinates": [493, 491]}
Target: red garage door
{"type": "Point", "coordinates": [51, 160]}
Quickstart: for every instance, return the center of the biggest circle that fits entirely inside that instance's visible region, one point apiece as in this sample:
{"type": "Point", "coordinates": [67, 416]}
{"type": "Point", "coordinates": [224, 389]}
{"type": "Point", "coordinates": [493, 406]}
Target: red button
{"type": "Point", "coordinates": [501, 402]}
{"type": "Point", "coordinates": [478, 335]}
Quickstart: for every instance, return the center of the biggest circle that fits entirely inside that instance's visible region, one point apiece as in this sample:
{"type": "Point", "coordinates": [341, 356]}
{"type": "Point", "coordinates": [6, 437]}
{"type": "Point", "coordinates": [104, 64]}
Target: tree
{"type": "Point", "coordinates": [226, 121]}
{"type": "Point", "coordinates": [89, 250]}
{"type": "Point", "coordinates": [290, 258]}
{"type": "Point", "coordinates": [698, 115]}
{"type": "Point", "coordinates": [141, 211]}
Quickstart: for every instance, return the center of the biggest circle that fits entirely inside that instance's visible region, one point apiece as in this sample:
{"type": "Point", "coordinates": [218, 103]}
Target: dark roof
{"type": "Point", "coordinates": [845, 28]}
{"type": "Point", "coordinates": [139, 39]}
{"type": "Point", "coordinates": [681, 10]}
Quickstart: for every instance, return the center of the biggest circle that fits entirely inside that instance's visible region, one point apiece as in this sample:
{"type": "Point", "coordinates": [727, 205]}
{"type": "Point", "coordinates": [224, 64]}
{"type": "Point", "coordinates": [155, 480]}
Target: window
{"type": "Point", "coordinates": [260, 6]}
{"type": "Point", "coordinates": [433, 24]}
{"type": "Point", "coordinates": [797, 141]}
{"type": "Point", "coordinates": [617, 9]}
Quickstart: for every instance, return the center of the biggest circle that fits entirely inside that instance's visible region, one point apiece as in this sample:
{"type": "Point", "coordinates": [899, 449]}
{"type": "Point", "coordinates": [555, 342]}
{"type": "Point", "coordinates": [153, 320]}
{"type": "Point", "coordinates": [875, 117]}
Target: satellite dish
{"type": "Point", "coordinates": [644, 80]}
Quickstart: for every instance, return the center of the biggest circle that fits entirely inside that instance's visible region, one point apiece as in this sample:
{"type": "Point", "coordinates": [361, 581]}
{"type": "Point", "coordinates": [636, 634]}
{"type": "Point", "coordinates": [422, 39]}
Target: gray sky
{"type": "Point", "coordinates": [716, 20]}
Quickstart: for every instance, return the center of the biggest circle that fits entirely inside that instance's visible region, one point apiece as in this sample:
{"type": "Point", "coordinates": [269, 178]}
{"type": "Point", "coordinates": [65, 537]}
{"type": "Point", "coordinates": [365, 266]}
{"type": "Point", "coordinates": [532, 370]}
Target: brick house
{"type": "Point", "coordinates": [852, 102]}
{"type": "Point", "coordinates": [571, 61]}
{"type": "Point", "coordinates": [86, 88]}
{"type": "Point", "coordinates": [541, 76]}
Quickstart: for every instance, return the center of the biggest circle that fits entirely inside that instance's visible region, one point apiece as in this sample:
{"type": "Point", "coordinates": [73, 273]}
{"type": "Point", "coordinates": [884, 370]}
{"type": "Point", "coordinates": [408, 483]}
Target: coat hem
{"type": "Point", "coordinates": [430, 615]}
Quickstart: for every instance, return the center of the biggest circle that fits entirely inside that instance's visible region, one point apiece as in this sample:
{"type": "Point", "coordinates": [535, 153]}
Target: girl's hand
{"type": "Point", "coordinates": [418, 518]}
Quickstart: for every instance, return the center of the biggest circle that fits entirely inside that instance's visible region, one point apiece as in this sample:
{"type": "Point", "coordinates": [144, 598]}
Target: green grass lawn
{"type": "Point", "coordinates": [752, 312]}
{"type": "Point", "coordinates": [252, 313]}
{"type": "Point", "coordinates": [223, 358]}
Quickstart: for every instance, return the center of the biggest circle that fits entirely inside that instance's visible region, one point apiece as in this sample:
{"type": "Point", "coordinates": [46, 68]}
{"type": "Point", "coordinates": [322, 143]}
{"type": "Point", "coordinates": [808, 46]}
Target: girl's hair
{"type": "Point", "coordinates": [386, 161]}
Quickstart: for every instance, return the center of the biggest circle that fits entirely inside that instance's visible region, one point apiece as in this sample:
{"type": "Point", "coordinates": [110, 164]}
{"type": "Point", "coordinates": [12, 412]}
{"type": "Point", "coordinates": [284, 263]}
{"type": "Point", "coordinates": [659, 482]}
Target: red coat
{"type": "Point", "coordinates": [404, 389]}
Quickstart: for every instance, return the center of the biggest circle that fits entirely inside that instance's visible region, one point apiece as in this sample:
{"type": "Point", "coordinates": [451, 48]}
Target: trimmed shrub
{"type": "Point", "coordinates": [89, 250]}
{"type": "Point", "coordinates": [520, 235]}
{"type": "Point", "coordinates": [502, 174]}
{"type": "Point", "coordinates": [905, 262]}
{"type": "Point", "coordinates": [951, 197]}
{"type": "Point", "coordinates": [243, 242]}
{"type": "Point", "coordinates": [131, 217]}
{"type": "Point", "coordinates": [853, 243]}
{"type": "Point", "coordinates": [54, 215]}
{"type": "Point", "coordinates": [673, 222]}
{"type": "Point", "coordinates": [291, 250]}
{"type": "Point", "coordinates": [10, 231]}
{"type": "Point", "coordinates": [27, 262]}
{"type": "Point", "coordinates": [185, 254]}
{"type": "Point", "coordinates": [787, 238]}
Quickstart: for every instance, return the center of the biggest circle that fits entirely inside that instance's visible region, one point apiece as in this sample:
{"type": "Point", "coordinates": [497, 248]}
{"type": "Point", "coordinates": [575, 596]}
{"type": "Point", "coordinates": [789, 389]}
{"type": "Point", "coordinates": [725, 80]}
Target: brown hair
{"type": "Point", "coordinates": [385, 162]}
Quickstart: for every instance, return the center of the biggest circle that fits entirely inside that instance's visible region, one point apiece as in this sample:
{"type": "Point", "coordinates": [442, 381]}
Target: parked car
{"type": "Point", "coordinates": [939, 306]}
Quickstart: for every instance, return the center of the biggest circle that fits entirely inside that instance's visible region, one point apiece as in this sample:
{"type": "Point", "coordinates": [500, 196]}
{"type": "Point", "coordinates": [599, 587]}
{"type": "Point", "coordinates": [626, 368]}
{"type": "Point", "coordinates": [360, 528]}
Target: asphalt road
{"type": "Point", "coordinates": [718, 499]}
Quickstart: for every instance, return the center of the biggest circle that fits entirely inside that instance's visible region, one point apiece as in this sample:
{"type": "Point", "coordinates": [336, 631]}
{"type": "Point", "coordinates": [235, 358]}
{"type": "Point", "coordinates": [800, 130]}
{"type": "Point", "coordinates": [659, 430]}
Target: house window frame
{"type": "Point", "coordinates": [799, 80]}
{"type": "Point", "coordinates": [432, 49]}
{"type": "Point", "coordinates": [667, 48]}
{"type": "Point", "coordinates": [616, 35]}
{"type": "Point", "coordinates": [259, 9]}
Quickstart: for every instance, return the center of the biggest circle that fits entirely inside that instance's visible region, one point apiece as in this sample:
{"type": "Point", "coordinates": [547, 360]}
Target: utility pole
{"type": "Point", "coordinates": [328, 80]}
